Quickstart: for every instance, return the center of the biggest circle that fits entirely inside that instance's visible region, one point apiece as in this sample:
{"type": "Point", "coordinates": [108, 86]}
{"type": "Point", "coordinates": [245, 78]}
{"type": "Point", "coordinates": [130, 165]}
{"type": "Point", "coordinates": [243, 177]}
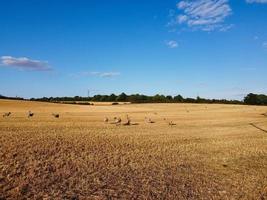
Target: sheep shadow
{"type": "Point", "coordinates": [255, 126]}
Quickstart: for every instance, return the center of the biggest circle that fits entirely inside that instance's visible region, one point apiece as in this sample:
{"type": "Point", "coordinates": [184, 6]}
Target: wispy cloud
{"type": "Point", "coordinates": [226, 27]}
{"type": "Point", "coordinates": [205, 15]}
{"type": "Point", "coordinates": [24, 63]}
{"type": "Point", "coordinates": [105, 74]}
{"type": "Point", "coordinates": [171, 44]}
{"type": "Point", "coordinates": [98, 74]}
{"type": "Point", "coordinates": [256, 1]}
{"type": "Point", "coordinates": [264, 44]}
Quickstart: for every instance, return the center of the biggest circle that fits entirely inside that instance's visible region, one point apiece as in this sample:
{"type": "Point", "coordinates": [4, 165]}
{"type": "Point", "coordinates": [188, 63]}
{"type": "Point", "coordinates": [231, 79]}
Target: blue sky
{"type": "Point", "coordinates": [210, 48]}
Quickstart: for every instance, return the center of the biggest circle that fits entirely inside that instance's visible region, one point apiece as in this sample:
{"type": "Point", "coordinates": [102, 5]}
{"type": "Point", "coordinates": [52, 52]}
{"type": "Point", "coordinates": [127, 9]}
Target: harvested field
{"type": "Point", "coordinates": [212, 152]}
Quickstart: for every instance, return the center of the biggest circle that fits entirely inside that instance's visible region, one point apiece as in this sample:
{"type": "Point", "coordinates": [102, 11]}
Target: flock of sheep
{"type": "Point", "coordinates": [30, 114]}
{"type": "Point", "coordinates": [116, 120]}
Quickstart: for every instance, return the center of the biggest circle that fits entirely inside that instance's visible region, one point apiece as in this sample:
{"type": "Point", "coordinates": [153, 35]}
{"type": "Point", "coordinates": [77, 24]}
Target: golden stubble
{"type": "Point", "coordinates": [213, 152]}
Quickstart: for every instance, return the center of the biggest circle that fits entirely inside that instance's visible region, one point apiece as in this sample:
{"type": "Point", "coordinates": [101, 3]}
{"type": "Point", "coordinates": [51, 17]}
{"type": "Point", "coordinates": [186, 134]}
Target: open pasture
{"type": "Point", "coordinates": [212, 151]}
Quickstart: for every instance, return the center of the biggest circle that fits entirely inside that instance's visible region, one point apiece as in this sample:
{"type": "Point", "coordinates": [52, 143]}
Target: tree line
{"type": "Point", "coordinates": [137, 98]}
{"type": "Point", "coordinates": [12, 98]}
{"type": "Point", "coordinates": [250, 99]}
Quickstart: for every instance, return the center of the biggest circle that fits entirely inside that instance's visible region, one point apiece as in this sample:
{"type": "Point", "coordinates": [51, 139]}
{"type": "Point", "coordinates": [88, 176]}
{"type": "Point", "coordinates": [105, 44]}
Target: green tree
{"type": "Point", "coordinates": [159, 98]}
{"type": "Point", "coordinates": [122, 97]}
{"type": "Point", "coordinates": [251, 99]}
{"type": "Point", "coordinates": [178, 98]}
{"type": "Point", "coordinates": [169, 98]}
{"type": "Point", "coordinates": [112, 97]}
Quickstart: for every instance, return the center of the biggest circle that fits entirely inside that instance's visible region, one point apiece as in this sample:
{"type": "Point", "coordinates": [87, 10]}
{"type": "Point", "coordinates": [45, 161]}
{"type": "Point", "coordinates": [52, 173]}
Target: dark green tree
{"type": "Point", "coordinates": [112, 97]}
{"type": "Point", "coordinates": [122, 97]}
{"type": "Point", "coordinates": [169, 98]}
{"type": "Point", "coordinates": [178, 98]}
{"type": "Point", "coordinates": [251, 99]}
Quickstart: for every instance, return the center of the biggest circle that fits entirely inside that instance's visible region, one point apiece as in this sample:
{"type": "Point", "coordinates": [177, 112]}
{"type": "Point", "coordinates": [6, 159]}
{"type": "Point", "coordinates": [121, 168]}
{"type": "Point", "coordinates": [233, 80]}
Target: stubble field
{"type": "Point", "coordinates": [213, 152]}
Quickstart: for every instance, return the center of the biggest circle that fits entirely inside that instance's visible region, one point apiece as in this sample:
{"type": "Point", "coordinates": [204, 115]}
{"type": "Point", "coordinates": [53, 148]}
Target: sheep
{"type": "Point", "coordinates": [117, 121]}
{"type": "Point", "coordinates": [30, 114]}
{"type": "Point", "coordinates": [7, 114]}
{"type": "Point", "coordinates": [149, 120]}
{"type": "Point", "coordinates": [56, 115]}
{"type": "Point", "coordinates": [128, 121]}
{"type": "Point", "coordinates": [114, 120]}
{"type": "Point", "coordinates": [170, 123]}
{"type": "Point", "coordinates": [105, 120]}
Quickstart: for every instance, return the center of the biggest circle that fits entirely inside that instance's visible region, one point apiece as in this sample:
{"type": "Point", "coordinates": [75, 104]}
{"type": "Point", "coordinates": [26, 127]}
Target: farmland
{"type": "Point", "coordinates": [212, 152]}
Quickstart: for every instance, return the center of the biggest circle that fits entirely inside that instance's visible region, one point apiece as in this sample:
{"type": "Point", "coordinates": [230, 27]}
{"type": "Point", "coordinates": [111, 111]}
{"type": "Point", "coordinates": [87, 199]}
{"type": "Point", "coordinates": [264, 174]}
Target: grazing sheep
{"type": "Point", "coordinates": [7, 114]}
{"type": "Point", "coordinates": [105, 120]}
{"type": "Point", "coordinates": [56, 115]}
{"type": "Point", "coordinates": [128, 121]}
{"type": "Point", "coordinates": [30, 114]}
{"type": "Point", "coordinates": [170, 123]}
{"type": "Point", "coordinates": [149, 120]}
{"type": "Point", "coordinates": [117, 121]}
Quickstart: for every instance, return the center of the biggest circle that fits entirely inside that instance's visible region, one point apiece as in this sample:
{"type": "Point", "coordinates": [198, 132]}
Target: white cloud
{"type": "Point", "coordinates": [256, 1]}
{"type": "Point", "coordinates": [264, 44]}
{"type": "Point", "coordinates": [24, 63]}
{"type": "Point", "coordinates": [99, 74]}
{"type": "Point", "coordinates": [226, 27]}
{"type": "Point", "coordinates": [205, 15]}
{"type": "Point", "coordinates": [106, 74]}
{"type": "Point", "coordinates": [172, 44]}
{"type": "Point", "coordinates": [182, 18]}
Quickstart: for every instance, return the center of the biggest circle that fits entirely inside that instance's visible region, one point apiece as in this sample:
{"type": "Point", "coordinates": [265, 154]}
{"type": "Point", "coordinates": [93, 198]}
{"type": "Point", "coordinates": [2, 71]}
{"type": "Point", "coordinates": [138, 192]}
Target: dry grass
{"type": "Point", "coordinates": [213, 152]}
